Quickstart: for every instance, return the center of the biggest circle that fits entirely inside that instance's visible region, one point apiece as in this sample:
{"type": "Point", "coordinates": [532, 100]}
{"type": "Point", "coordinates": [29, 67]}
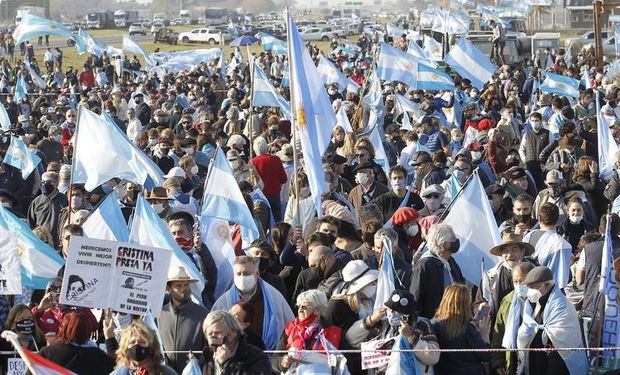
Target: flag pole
{"type": "Point", "coordinates": [251, 122]}
{"type": "Point", "coordinates": [75, 143]}
{"type": "Point", "coordinates": [295, 174]}
{"type": "Point", "coordinates": [11, 337]}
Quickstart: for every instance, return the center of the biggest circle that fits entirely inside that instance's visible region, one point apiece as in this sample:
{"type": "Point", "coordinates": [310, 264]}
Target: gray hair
{"type": "Point", "coordinates": [313, 297]}
{"type": "Point", "coordinates": [231, 323]}
{"type": "Point", "coordinates": [438, 236]}
{"type": "Point", "coordinates": [320, 251]}
{"type": "Point", "coordinates": [242, 260]}
{"type": "Point", "coordinates": [260, 146]}
{"type": "Point", "coordinates": [389, 233]}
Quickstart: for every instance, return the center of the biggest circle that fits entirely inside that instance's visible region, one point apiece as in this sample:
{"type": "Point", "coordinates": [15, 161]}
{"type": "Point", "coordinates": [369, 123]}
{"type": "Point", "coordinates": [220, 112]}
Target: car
{"type": "Point", "coordinates": [316, 33]}
{"type": "Point", "coordinates": [156, 26]}
{"type": "Point", "coordinates": [204, 35]}
{"type": "Point", "coordinates": [166, 35]}
{"type": "Point", "coordinates": [137, 28]}
{"type": "Point", "coordinates": [586, 38]}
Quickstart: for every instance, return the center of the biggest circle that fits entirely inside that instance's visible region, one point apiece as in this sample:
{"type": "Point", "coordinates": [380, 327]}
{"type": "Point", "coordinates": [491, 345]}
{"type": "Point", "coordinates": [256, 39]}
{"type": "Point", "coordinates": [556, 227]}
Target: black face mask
{"type": "Point", "coordinates": [454, 246]}
{"type": "Point", "coordinates": [25, 326]}
{"type": "Point", "coordinates": [523, 218]}
{"type": "Point", "coordinates": [165, 151]}
{"type": "Point", "coordinates": [47, 188]}
{"type": "Point", "coordinates": [132, 195]}
{"type": "Point", "coordinates": [263, 264]}
{"type": "Point", "coordinates": [138, 353]}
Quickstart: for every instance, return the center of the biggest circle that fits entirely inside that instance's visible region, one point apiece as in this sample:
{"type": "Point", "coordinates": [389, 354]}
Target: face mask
{"type": "Point", "coordinates": [164, 150]}
{"type": "Point", "coordinates": [76, 202]}
{"type": "Point", "coordinates": [263, 264]}
{"type": "Point", "coordinates": [235, 164]}
{"type": "Point", "coordinates": [473, 94]}
{"type": "Point", "coordinates": [304, 192]}
{"type": "Point", "coordinates": [194, 170]}
{"type": "Point", "coordinates": [476, 155]}
{"type": "Point", "coordinates": [575, 219]}
{"type": "Point", "coordinates": [58, 137]}
{"type": "Point", "coordinates": [158, 208]}
{"type": "Point", "coordinates": [369, 291]}
{"type": "Point", "coordinates": [25, 125]}
{"type": "Point", "coordinates": [433, 203]}
{"type": "Point", "coordinates": [533, 295]}
{"type": "Point", "coordinates": [138, 353]}
{"type": "Point", "coordinates": [331, 92]}
{"type": "Point", "coordinates": [398, 184]}
{"type": "Point", "coordinates": [47, 188]}
{"type": "Point", "coordinates": [457, 139]}
{"type": "Point", "coordinates": [121, 320]}
{"type": "Point", "coordinates": [459, 175]}
{"type": "Point", "coordinates": [215, 342]}
{"type": "Point", "coordinates": [152, 141]}
{"type": "Point", "coordinates": [554, 191]}
{"type": "Point", "coordinates": [106, 188]}
{"type": "Point", "coordinates": [245, 283]}
{"type": "Point", "coordinates": [188, 151]}
{"type": "Point", "coordinates": [394, 318]}
{"type": "Point", "coordinates": [132, 195]}
{"type": "Point", "coordinates": [523, 218]}
{"type": "Point", "coordinates": [185, 243]}
{"type": "Point", "coordinates": [412, 231]}
{"type": "Point", "coordinates": [25, 326]}
{"type": "Point", "coordinates": [521, 290]}
{"type": "Point", "coordinates": [361, 178]}
{"type": "Point", "coordinates": [454, 246]}
{"type": "Point", "coordinates": [536, 125]}
{"type": "Point", "coordinates": [180, 297]}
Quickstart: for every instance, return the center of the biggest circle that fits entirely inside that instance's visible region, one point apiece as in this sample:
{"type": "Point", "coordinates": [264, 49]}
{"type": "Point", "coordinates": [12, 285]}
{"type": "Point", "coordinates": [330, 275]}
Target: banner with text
{"type": "Point", "coordinates": [125, 277]}
{"type": "Point", "coordinates": [10, 274]}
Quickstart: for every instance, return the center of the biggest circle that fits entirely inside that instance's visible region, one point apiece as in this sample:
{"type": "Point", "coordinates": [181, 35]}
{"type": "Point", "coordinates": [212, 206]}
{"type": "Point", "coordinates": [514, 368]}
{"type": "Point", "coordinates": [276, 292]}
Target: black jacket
{"type": "Point", "coordinates": [81, 360]}
{"type": "Point", "coordinates": [247, 360]}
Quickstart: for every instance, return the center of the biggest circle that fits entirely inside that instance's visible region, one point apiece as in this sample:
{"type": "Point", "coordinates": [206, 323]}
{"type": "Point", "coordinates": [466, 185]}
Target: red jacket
{"type": "Point", "coordinates": [295, 336]}
{"type": "Point", "coordinates": [272, 173]}
{"type": "Point", "coordinates": [87, 77]}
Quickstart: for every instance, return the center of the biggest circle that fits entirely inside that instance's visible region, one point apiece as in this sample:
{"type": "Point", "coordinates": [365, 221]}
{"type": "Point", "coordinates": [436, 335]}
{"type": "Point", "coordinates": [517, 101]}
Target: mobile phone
{"type": "Point", "coordinates": [484, 311]}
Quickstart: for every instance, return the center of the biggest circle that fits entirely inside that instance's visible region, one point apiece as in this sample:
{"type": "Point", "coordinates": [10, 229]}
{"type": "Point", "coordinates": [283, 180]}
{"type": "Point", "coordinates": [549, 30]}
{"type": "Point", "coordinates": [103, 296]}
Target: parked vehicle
{"type": "Point", "coordinates": [100, 20]}
{"type": "Point", "coordinates": [205, 35]}
{"type": "Point", "coordinates": [137, 29]}
{"type": "Point", "coordinates": [166, 35]}
{"type": "Point", "coordinates": [122, 18]}
{"type": "Point", "coordinates": [316, 33]}
{"type": "Point", "coordinates": [157, 26]}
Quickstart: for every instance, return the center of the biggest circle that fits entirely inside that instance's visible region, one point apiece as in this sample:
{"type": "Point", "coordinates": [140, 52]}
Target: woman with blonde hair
{"type": "Point", "coordinates": [139, 352]}
{"type": "Point", "coordinates": [455, 329]}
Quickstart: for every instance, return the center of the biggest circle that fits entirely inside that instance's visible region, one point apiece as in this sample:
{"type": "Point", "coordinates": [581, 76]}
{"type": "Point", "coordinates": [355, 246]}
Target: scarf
{"type": "Point", "coordinates": [512, 323]}
{"type": "Point", "coordinates": [271, 336]}
{"type": "Point", "coordinates": [447, 270]}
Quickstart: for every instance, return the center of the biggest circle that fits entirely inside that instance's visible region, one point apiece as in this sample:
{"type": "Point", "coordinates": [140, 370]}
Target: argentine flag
{"type": "Point", "coordinates": [265, 95]}
{"type": "Point", "coordinates": [107, 222]}
{"type": "Point", "coordinates": [416, 51]}
{"type": "Point", "coordinates": [330, 74]}
{"type": "Point", "coordinates": [394, 65]}
{"type": "Point", "coordinates": [561, 85]}
{"type": "Point", "coordinates": [5, 120]}
{"type": "Point", "coordinates": [394, 31]}
{"type": "Point", "coordinates": [36, 79]}
{"type": "Point", "coordinates": [430, 78]}
{"type": "Point", "coordinates": [131, 46]}
{"type": "Point", "coordinates": [32, 27]}
{"type": "Point", "coordinates": [467, 60]}
{"type": "Point", "coordinates": [607, 146]}
{"type": "Point", "coordinates": [271, 43]}
{"type": "Point", "coordinates": [21, 157]}
{"type": "Point", "coordinates": [21, 89]}
{"type": "Point", "coordinates": [39, 262]}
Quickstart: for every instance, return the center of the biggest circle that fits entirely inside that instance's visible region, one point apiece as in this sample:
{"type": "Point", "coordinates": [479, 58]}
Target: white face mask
{"type": "Point", "coordinates": [369, 291]}
{"type": "Point", "coordinates": [304, 192]}
{"type": "Point", "coordinates": [412, 231]}
{"type": "Point", "coordinates": [433, 204]}
{"type": "Point", "coordinates": [188, 151]}
{"type": "Point", "coordinates": [235, 164]}
{"type": "Point", "coordinates": [158, 208]}
{"type": "Point", "coordinates": [575, 219]}
{"type": "Point", "coordinates": [476, 155]}
{"type": "Point", "coordinates": [194, 170]}
{"type": "Point", "coordinates": [245, 283]}
{"type": "Point", "coordinates": [533, 295]}
{"type": "Point", "coordinates": [361, 178]}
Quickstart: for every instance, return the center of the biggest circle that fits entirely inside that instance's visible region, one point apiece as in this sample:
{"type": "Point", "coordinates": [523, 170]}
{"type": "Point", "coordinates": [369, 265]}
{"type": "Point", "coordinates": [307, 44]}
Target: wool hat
{"type": "Point", "coordinates": [405, 215]}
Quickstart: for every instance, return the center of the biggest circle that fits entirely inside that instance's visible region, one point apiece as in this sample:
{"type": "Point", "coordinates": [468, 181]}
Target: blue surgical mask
{"type": "Point", "coordinates": [58, 137]}
{"type": "Point", "coordinates": [521, 290]}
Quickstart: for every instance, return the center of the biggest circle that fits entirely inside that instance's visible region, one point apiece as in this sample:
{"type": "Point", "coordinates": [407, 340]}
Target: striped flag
{"type": "Point", "coordinates": [561, 85]}
{"type": "Point", "coordinates": [44, 366]}
{"type": "Point", "coordinates": [21, 157]}
{"type": "Point", "coordinates": [107, 222]}
{"type": "Point", "coordinates": [469, 62]}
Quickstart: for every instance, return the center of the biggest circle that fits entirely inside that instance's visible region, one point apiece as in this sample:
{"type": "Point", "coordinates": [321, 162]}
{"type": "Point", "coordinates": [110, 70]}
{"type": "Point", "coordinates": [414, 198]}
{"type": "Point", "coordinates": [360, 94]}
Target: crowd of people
{"type": "Point", "coordinates": [310, 281]}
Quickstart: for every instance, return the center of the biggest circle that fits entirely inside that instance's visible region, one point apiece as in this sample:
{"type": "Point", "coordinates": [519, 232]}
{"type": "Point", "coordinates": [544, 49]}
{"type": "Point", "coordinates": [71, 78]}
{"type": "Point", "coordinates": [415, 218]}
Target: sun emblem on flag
{"type": "Point", "coordinates": [409, 66]}
{"type": "Point", "coordinates": [20, 249]}
{"type": "Point", "coordinates": [434, 76]}
{"type": "Point", "coordinates": [301, 116]}
{"type": "Point", "coordinates": [223, 231]}
{"type": "Point", "coordinates": [561, 85]}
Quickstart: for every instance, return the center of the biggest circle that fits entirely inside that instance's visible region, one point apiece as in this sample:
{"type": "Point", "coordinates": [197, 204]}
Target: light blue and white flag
{"type": "Point", "coordinates": [607, 146]}
{"type": "Point", "coordinates": [452, 22]}
{"type": "Point", "coordinates": [402, 361]}
{"type": "Point", "coordinates": [273, 44]}
{"type": "Point", "coordinates": [433, 48]}
{"type": "Point", "coordinates": [416, 51]}
{"type": "Point", "coordinates": [474, 225]}
{"type": "Point", "coordinates": [265, 95]}
{"type": "Point", "coordinates": [95, 46]}
{"type": "Point", "coordinates": [402, 105]}
{"type": "Point", "coordinates": [21, 89]}
{"type": "Point", "coordinates": [394, 31]}
{"type": "Point", "coordinates": [107, 222]}
{"type": "Point", "coordinates": [343, 120]}
{"type": "Point", "coordinates": [149, 230]}
{"type": "Point", "coordinates": [218, 239]}
{"type": "Point", "coordinates": [587, 81]}
{"type": "Point", "coordinates": [314, 116]}
{"type": "Point", "coordinates": [222, 197]}
{"type": "Point", "coordinates": [467, 60]}
{"type": "Point", "coordinates": [32, 27]}
{"type": "Point", "coordinates": [36, 79]}
{"type": "Point", "coordinates": [385, 282]}
{"type": "Point", "coordinates": [192, 368]}
{"type": "Point", "coordinates": [430, 78]}
{"type": "Point", "coordinates": [330, 74]}
{"type": "Point", "coordinates": [394, 65]}
{"type": "Point", "coordinates": [5, 120]}
{"type": "Point", "coordinates": [609, 289]}
{"type": "Point", "coordinates": [39, 262]}
{"type": "Point", "coordinates": [130, 45]}
{"type": "Point", "coordinates": [232, 29]}
{"type": "Point", "coordinates": [561, 85]}
{"type": "Point", "coordinates": [554, 252]}
{"type": "Point", "coordinates": [21, 157]}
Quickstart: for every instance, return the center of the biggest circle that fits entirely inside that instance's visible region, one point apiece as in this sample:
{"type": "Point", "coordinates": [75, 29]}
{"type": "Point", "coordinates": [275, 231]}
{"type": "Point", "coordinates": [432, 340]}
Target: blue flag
{"type": "Point", "coordinates": [272, 44]}
{"type": "Point", "coordinates": [394, 65]}
{"type": "Point", "coordinates": [609, 289]}
{"type": "Point", "coordinates": [107, 222]}
{"type": "Point", "coordinates": [265, 95]}
{"type": "Point", "coordinates": [39, 262]}
{"type": "Point", "coordinates": [21, 89]}
{"type": "Point", "coordinates": [430, 78]}
{"type": "Point", "coordinates": [32, 27]}
{"type": "Point", "coordinates": [467, 60]}
{"type": "Point", "coordinates": [607, 146]}
{"type": "Point", "coordinates": [561, 85]}
{"type": "Point", "coordinates": [21, 157]}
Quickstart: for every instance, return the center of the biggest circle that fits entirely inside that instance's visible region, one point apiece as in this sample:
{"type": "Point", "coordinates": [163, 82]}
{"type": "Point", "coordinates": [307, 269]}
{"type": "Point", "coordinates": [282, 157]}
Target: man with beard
{"type": "Point", "coordinates": [178, 320]}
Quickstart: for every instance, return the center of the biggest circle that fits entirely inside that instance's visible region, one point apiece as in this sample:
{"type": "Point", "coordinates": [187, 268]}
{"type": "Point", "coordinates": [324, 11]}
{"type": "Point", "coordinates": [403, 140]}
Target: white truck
{"type": "Point", "coordinates": [187, 17]}
{"type": "Point", "coordinates": [37, 11]}
{"type": "Point", "coordinates": [124, 18]}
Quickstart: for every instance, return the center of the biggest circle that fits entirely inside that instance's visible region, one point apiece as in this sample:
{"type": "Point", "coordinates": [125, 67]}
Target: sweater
{"type": "Point", "coordinates": [272, 173]}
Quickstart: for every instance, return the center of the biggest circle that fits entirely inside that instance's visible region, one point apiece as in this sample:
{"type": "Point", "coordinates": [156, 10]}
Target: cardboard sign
{"type": "Point", "coordinates": [125, 277]}
{"type": "Point", "coordinates": [16, 366]}
{"type": "Point", "coordinates": [372, 359]}
{"type": "Point", "coordinates": [10, 274]}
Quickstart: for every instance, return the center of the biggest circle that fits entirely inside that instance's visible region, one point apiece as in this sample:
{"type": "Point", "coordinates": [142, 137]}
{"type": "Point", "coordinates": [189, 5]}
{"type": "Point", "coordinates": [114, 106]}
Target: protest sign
{"type": "Point", "coordinates": [16, 366]}
{"type": "Point", "coordinates": [10, 274]}
{"type": "Point", "coordinates": [376, 359]}
{"type": "Point", "coordinates": [125, 277]}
